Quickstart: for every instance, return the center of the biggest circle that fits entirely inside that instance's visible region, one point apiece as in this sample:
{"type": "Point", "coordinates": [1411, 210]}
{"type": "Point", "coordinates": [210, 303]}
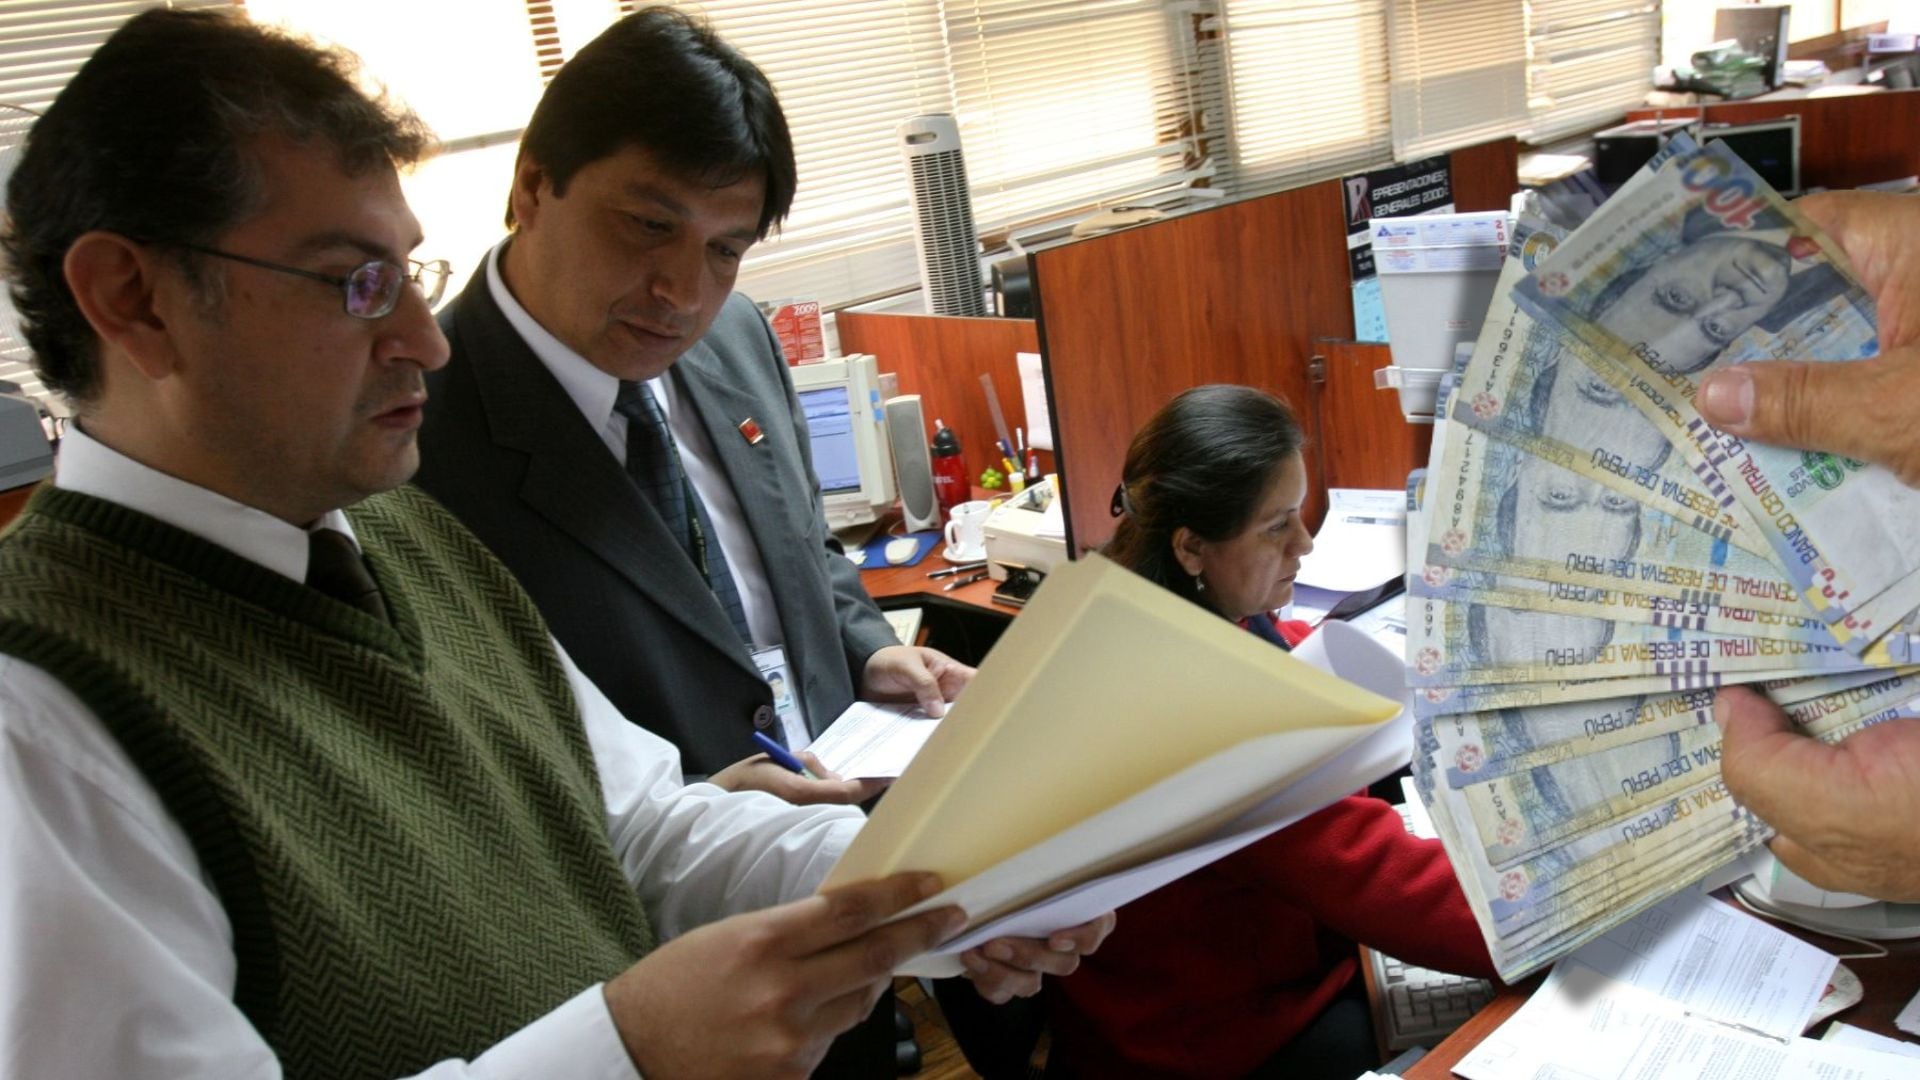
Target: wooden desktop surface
{"type": "Point", "coordinates": [1887, 984]}
{"type": "Point", "coordinates": [11, 502]}
{"type": "Point", "coordinates": [894, 583]}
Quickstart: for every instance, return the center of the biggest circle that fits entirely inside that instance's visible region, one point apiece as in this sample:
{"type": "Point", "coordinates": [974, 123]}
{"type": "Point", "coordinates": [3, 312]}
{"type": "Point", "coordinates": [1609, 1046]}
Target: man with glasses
{"type": "Point", "coordinates": [293, 779]}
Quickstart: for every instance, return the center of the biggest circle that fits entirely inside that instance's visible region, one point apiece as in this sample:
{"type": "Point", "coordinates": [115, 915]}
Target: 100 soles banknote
{"type": "Point", "coordinates": [1707, 266]}
{"type": "Point", "coordinates": [1525, 386]}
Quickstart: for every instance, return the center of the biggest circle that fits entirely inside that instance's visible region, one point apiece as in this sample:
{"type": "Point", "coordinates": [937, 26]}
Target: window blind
{"type": "Point", "coordinates": [1458, 74]}
{"type": "Point", "coordinates": [1307, 90]}
{"type": "Point", "coordinates": [847, 74]}
{"type": "Point", "coordinates": [43, 42]}
{"type": "Point", "coordinates": [1068, 104]}
{"type": "Point", "coordinates": [1592, 60]}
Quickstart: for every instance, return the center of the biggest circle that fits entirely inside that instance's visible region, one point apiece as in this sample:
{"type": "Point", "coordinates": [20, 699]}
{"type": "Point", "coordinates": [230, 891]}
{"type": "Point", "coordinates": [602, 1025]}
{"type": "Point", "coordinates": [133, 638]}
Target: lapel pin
{"type": "Point", "coordinates": [750, 431]}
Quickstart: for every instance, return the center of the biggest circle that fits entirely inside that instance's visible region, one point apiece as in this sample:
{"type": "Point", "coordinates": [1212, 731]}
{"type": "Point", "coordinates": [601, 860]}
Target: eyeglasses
{"type": "Point", "coordinates": [369, 290]}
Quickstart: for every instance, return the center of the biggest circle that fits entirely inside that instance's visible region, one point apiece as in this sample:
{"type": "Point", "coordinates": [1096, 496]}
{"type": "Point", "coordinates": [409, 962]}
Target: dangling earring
{"type": "Point", "coordinates": [1199, 584]}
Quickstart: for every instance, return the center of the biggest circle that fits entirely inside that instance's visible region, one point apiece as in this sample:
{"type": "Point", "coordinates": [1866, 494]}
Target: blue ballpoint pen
{"type": "Point", "coordinates": [782, 756]}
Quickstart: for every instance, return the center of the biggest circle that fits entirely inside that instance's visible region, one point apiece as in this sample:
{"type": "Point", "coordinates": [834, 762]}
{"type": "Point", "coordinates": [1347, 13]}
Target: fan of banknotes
{"type": "Point", "coordinates": [1590, 559]}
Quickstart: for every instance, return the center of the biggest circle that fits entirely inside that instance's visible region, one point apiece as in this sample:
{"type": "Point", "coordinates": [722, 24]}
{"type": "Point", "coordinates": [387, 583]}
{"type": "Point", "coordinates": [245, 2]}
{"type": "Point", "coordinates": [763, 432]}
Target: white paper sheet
{"type": "Point", "coordinates": [1362, 542]}
{"type": "Point", "coordinates": [873, 742]}
{"type": "Point", "coordinates": [1581, 1025]}
{"type": "Point", "coordinates": [1862, 1039]}
{"type": "Point", "coordinates": [1717, 962]}
{"type": "Point", "coordinates": [1909, 1018]}
{"type": "Point", "coordinates": [1033, 391]}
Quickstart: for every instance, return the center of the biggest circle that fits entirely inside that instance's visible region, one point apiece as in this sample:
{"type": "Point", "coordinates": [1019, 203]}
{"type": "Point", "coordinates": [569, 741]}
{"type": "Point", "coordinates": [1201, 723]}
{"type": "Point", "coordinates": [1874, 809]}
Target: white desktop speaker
{"type": "Point", "coordinates": [944, 234]}
{"type": "Point", "coordinates": [912, 462]}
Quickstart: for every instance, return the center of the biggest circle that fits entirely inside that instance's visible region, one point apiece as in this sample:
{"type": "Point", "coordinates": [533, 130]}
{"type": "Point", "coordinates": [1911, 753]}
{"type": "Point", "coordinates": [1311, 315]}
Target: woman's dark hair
{"type": "Point", "coordinates": [152, 140]}
{"type": "Point", "coordinates": [666, 83]}
{"type": "Point", "coordinates": [1203, 461]}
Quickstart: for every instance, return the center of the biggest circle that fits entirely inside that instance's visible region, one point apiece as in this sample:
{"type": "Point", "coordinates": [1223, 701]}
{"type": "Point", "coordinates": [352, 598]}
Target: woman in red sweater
{"type": "Point", "coordinates": [1248, 967]}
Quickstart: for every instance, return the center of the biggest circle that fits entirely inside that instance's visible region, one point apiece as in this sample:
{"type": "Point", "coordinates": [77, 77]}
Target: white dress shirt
{"type": "Point", "coordinates": [116, 958]}
{"type": "Point", "coordinates": [593, 391]}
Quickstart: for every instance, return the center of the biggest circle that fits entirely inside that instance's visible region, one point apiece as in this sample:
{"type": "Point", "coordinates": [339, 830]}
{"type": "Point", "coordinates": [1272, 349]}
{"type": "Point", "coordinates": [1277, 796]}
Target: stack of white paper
{"type": "Point", "coordinates": [1117, 738]}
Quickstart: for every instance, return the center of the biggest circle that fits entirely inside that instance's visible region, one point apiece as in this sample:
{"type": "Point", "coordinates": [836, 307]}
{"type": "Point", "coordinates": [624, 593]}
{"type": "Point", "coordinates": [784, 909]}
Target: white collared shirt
{"type": "Point", "coordinates": [116, 957]}
{"type": "Point", "coordinates": [593, 391]}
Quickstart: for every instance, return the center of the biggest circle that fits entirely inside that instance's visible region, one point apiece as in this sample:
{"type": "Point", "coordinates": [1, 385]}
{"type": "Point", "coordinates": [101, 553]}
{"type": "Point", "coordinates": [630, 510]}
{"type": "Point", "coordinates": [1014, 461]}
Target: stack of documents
{"type": "Point", "coordinates": [1116, 738]}
{"type": "Point", "coordinates": [1593, 559]}
{"type": "Point", "coordinates": [1692, 987]}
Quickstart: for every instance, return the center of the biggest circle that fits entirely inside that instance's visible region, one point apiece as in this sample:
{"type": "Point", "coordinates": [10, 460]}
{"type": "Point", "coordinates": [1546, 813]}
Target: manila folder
{"type": "Point", "coordinates": [1106, 685]}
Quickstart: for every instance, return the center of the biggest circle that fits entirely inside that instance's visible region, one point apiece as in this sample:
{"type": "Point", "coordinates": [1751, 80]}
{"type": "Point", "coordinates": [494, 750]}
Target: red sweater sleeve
{"type": "Point", "coordinates": [1357, 870]}
{"type": "Point", "coordinates": [1343, 862]}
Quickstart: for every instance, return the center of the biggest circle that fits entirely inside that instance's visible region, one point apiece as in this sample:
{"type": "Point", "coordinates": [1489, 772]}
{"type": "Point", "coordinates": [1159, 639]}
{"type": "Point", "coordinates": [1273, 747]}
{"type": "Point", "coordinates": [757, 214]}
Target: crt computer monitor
{"type": "Point", "coordinates": [1770, 147]}
{"type": "Point", "coordinates": [846, 427]}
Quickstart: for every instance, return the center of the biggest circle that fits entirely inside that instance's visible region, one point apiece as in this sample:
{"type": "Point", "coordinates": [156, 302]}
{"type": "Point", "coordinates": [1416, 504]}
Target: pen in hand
{"type": "Point", "coordinates": [781, 755]}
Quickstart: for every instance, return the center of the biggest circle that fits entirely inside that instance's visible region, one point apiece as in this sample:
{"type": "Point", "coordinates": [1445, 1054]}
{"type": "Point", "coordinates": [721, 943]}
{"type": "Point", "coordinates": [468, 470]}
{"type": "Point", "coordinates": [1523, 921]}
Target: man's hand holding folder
{"type": "Point", "coordinates": [1117, 739]}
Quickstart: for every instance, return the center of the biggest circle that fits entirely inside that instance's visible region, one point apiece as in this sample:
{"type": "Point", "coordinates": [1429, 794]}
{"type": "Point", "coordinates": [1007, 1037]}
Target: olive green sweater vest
{"type": "Point", "coordinates": [403, 822]}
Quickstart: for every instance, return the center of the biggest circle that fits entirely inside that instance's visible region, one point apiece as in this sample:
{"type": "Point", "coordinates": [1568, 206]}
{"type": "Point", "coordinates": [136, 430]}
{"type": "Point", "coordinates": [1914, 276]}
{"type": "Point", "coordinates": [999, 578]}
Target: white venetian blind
{"type": "Point", "coordinates": [1068, 104]}
{"type": "Point", "coordinates": [1307, 90]}
{"type": "Point", "coordinates": [1592, 61]}
{"type": "Point", "coordinates": [43, 42]}
{"type": "Point", "coordinates": [1459, 73]}
{"type": "Point", "coordinates": [847, 74]}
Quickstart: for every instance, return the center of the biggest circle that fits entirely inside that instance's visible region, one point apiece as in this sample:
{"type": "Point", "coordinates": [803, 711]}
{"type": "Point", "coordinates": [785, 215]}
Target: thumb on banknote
{"type": "Point", "coordinates": [1862, 409]}
{"type": "Point", "coordinates": [1844, 813]}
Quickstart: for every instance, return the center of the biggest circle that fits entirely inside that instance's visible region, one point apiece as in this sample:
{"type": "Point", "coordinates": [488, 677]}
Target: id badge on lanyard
{"type": "Point", "coordinates": [772, 663]}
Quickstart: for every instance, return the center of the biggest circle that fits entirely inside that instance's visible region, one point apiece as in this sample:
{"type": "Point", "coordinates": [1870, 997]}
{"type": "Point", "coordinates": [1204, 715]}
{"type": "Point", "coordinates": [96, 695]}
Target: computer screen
{"type": "Point", "coordinates": [1771, 148]}
{"type": "Point", "coordinates": [846, 430]}
{"type": "Point", "coordinates": [830, 425]}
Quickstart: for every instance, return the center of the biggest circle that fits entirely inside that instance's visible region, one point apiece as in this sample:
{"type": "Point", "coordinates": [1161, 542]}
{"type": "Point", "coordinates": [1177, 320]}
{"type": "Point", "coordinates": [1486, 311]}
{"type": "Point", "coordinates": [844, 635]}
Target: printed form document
{"type": "Point", "coordinates": [1693, 987]}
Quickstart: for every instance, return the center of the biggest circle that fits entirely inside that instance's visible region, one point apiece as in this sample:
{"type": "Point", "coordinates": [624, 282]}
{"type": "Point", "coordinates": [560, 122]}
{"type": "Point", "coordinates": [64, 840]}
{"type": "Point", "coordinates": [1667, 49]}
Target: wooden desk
{"type": "Point", "coordinates": [964, 623]}
{"type": "Point", "coordinates": [1887, 984]}
{"type": "Point", "coordinates": [12, 501]}
{"type": "Point", "coordinates": [901, 586]}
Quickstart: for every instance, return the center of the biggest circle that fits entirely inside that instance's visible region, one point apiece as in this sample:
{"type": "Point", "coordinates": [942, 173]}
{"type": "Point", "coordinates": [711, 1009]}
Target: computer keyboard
{"type": "Point", "coordinates": [1419, 1006]}
{"type": "Point", "coordinates": [1416, 1006]}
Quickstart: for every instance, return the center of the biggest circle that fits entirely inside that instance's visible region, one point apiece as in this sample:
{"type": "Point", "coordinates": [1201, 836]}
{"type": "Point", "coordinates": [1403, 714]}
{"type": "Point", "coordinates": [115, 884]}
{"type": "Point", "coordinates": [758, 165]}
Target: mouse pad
{"type": "Point", "coordinates": [876, 549]}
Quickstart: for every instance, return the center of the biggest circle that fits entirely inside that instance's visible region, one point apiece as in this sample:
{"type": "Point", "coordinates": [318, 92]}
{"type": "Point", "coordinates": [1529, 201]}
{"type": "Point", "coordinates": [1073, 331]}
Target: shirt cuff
{"type": "Point", "coordinates": [575, 1040]}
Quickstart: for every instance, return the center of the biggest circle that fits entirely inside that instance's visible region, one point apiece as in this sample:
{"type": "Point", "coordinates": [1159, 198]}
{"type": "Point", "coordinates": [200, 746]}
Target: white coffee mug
{"type": "Point", "coordinates": [967, 531]}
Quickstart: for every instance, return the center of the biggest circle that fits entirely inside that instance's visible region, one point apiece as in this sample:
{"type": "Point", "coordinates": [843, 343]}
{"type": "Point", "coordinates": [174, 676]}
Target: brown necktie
{"type": "Point", "coordinates": [334, 566]}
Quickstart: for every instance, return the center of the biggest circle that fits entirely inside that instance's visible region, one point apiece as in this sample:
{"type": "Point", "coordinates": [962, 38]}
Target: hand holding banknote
{"type": "Point", "coordinates": [1867, 409]}
{"type": "Point", "coordinates": [1846, 814]}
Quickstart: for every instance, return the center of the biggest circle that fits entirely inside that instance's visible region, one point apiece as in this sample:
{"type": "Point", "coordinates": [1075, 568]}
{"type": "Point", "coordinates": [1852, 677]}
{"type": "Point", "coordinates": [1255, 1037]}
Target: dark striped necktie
{"type": "Point", "coordinates": [653, 461]}
{"type": "Point", "coordinates": [334, 567]}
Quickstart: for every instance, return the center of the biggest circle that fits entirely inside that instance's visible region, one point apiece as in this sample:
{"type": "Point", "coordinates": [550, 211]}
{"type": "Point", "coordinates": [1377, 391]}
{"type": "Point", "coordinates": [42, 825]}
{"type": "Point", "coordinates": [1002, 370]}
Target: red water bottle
{"type": "Point", "coordinates": [950, 486]}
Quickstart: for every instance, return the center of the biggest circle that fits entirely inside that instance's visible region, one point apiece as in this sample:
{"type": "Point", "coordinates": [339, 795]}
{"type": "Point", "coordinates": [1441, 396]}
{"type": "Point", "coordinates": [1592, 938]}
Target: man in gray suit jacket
{"type": "Point", "coordinates": [623, 431]}
{"type": "Point", "coordinates": [655, 158]}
